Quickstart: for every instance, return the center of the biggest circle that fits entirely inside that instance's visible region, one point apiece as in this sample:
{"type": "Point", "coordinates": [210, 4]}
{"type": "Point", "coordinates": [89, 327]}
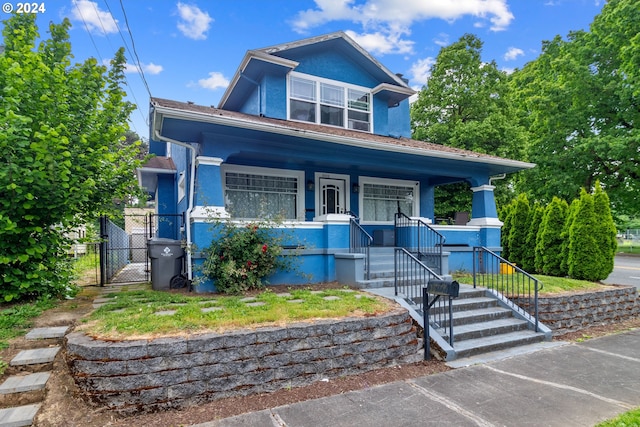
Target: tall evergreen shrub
{"type": "Point", "coordinates": [605, 231]}
{"type": "Point", "coordinates": [584, 254]}
{"type": "Point", "coordinates": [519, 227]}
{"type": "Point", "coordinates": [566, 236]}
{"type": "Point", "coordinates": [529, 255]}
{"type": "Point", "coordinates": [550, 239]}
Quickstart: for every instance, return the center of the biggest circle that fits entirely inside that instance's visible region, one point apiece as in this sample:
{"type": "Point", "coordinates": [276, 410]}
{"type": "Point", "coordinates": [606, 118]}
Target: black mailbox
{"type": "Point", "coordinates": [449, 288]}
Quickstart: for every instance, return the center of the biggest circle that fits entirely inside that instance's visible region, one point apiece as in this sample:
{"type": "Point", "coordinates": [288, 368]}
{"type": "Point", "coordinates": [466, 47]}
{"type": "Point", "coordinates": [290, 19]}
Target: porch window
{"type": "Point", "coordinates": [381, 200]}
{"type": "Point", "coordinates": [329, 102]}
{"type": "Point", "coordinates": [263, 195]}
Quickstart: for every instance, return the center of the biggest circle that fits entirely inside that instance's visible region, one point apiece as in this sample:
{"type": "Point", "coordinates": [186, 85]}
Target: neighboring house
{"type": "Point", "coordinates": [314, 130]}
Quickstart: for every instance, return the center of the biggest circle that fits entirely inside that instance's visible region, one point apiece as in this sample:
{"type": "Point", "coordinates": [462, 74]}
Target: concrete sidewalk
{"type": "Point", "coordinates": [576, 384]}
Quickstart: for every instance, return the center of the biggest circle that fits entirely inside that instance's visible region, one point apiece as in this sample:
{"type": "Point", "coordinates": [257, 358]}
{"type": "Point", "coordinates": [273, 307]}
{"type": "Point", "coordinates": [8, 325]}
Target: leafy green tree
{"type": "Point", "coordinates": [61, 152]}
{"type": "Point", "coordinates": [549, 244]}
{"type": "Point", "coordinates": [519, 228]}
{"type": "Point", "coordinates": [579, 102]}
{"type": "Point", "coordinates": [465, 105]}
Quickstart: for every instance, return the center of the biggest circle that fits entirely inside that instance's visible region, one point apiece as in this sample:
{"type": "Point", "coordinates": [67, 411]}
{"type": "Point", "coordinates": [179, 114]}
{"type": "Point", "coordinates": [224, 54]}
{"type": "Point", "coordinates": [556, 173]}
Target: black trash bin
{"type": "Point", "coordinates": [166, 261]}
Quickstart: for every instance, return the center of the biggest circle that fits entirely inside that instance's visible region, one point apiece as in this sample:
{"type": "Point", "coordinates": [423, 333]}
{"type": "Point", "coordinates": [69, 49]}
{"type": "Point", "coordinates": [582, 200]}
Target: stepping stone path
{"type": "Point", "coordinates": [29, 382]}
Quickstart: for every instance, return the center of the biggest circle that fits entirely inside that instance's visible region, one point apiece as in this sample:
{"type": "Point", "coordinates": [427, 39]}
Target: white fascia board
{"type": "Point", "coordinates": [392, 88]}
{"type": "Point", "coordinates": [342, 140]}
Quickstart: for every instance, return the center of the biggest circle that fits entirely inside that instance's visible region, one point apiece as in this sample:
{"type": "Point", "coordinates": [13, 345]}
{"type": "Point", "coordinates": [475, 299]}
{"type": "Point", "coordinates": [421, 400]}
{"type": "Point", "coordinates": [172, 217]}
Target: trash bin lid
{"type": "Point", "coordinates": [163, 241]}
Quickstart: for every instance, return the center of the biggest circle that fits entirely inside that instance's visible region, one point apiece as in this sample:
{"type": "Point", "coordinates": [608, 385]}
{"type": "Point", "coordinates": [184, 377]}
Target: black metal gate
{"type": "Point", "coordinates": [123, 245]}
{"type": "Point", "coordinates": [123, 249]}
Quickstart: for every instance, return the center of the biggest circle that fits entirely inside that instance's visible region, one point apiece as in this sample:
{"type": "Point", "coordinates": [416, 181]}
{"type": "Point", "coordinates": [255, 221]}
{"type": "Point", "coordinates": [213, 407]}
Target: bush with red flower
{"type": "Point", "coordinates": [242, 256]}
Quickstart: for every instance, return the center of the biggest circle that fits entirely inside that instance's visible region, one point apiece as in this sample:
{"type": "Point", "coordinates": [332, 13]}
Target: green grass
{"type": "Point", "coordinates": [132, 314]}
{"type": "Point", "coordinates": [628, 419]}
{"type": "Point", "coordinates": [551, 284]}
{"type": "Point", "coordinates": [15, 319]}
{"type": "Point", "coordinates": [629, 247]}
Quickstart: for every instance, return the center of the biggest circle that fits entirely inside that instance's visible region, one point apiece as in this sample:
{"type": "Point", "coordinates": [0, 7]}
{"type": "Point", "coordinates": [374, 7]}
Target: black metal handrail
{"type": "Point", "coordinates": [495, 273]}
{"type": "Point", "coordinates": [359, 242]}
{"type": "Point", "coordinates": [419, 238]}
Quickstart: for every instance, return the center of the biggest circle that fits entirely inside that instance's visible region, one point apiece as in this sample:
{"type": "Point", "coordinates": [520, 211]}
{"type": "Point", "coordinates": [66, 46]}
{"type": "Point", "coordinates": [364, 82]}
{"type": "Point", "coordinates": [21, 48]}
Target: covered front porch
{"type": "Point", "coordinates": [317, 178]}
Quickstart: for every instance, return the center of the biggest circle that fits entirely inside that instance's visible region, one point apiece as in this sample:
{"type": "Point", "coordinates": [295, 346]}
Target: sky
{"type": "Point", "coordinates": [189, 50]}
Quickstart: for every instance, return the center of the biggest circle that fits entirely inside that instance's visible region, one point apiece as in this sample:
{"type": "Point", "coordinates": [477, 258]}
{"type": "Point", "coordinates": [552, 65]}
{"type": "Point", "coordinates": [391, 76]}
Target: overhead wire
{"type": "Point", "coordinates": [138, 65]}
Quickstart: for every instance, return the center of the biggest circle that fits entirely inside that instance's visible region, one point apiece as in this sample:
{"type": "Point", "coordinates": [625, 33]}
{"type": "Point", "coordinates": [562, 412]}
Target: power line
{"type": "Point", "coordinates": [133, 45]}
{"type": "Point", "coordinates": [138, 67]}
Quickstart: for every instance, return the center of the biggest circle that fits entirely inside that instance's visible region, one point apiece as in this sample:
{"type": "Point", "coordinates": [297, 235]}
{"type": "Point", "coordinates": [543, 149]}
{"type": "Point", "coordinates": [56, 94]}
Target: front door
{"type": "Point", "coordinates": [332, 196]}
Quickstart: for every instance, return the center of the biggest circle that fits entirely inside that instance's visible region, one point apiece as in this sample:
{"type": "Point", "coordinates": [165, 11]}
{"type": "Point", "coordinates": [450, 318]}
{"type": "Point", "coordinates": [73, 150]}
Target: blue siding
{"type": "Point", "coordinates": [335, 66]}
{"type": "Point", "coordinates": [399, 120]}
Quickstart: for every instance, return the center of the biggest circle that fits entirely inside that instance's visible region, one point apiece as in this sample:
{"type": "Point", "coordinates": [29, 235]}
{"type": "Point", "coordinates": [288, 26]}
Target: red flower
{"type": "Point", "coordinates": [264, 248]}
{"type": "Point", "coordinates": [249, 263]}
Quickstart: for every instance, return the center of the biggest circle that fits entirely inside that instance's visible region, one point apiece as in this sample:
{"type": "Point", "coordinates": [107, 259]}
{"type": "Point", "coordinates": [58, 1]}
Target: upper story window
{"type": "Point", "coordinates": [329, 102]}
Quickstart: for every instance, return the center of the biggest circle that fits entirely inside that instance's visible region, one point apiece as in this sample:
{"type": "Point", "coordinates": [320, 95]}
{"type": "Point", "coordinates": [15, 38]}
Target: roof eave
{"type": "Point", "coordinates": [342, 140]}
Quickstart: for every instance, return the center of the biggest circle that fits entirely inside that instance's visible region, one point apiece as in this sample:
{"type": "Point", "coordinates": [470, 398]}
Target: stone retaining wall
{"type": "Point", "coordinates": [569, 313]}
{"type": "Point", "coordinates": [144, 375]}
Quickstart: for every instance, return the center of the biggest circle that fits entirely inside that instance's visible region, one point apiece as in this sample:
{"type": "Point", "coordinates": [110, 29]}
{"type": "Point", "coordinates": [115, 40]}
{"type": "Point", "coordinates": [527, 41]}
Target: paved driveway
{"type": "Point", "coordinates": [626, 271]}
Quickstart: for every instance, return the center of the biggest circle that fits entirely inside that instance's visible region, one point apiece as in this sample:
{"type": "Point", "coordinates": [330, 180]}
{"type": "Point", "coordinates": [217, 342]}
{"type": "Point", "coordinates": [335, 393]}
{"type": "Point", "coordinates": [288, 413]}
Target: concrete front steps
{"type": "Point", "coordinates": [22, 393]}
{"type": "Point", "coordinates": [483, 323]}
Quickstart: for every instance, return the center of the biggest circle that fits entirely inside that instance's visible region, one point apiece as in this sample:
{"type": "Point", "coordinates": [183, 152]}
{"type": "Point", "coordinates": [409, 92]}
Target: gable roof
{"type": "Point", "coordinates": [277, 59]}
{"type": "Point", "coordinates": [165, 108]}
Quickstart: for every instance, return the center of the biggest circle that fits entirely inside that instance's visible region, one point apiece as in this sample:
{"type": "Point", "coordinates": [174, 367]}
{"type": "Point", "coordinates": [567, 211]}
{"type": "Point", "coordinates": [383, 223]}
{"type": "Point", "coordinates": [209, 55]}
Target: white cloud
{"type": "Point", "coordinates": [393, 15]}
{"type": "Point", "coordinates": [96, 21]}
{"type": "Point", "coordinates": [513, 53]}
{"type": "Point", "coordinates": [214, 81]}
{"type": "Point", "coordinates": [152, 68]}
{"type": "Point", "coordinates": [381, 43]}
{"type": "Point", "coordinates": [193, 23]}
{"type": "Point", "coordinates": [442, 40]}
{"type": "Point", "coordinates": [420, 71]}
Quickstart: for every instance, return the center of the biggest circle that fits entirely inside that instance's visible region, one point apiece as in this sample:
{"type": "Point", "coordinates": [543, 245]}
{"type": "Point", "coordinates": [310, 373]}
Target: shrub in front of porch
{"type": "Point", "coordinates": [243, 255]}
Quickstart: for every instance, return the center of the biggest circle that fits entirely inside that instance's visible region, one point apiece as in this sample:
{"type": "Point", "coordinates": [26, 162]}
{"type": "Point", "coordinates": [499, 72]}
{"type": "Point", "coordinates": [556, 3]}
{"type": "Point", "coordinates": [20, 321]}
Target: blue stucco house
{"type": "Point", "coordinates": [317, 130]}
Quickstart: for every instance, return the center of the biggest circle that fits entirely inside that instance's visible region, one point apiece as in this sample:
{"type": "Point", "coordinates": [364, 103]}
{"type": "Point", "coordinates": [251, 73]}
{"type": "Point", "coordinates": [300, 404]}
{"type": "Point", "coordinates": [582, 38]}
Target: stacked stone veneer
{"type": "Point", "coordinates": [133, 376]}
{"type": "Point", "coordinates": [569, 313]}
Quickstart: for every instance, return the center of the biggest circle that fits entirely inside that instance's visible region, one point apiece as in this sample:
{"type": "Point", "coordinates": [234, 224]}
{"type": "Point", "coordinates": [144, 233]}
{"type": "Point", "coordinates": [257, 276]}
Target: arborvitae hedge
{"type": "Point", "coordinates": [584, 254]}
{"type": "Point", "coordinates": [560, 240]}
{"type": "Point", "coordinates": [519, 227]}
{"type": "Point", "coordinates": [549, 244]}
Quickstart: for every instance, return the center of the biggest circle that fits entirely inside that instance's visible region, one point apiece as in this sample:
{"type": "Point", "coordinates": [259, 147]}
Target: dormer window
{"type": "Point", "coordinates": [329, 102]}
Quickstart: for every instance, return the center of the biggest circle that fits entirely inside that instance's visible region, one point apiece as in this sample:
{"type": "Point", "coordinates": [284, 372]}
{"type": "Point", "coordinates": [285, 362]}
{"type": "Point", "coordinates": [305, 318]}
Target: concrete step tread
{"type": "Point", "coordinates": [498, 341]}
{"type": "Point", "coordinates": [493, 327]}
{"type": "Point", "coordinates": [18, 416]}
{"type": "Point", "coordinates": [48, 332]}
{"type": "Point", "coordinates": [35, 356]}
{"type": "Point", "coordinates": [22, 383]}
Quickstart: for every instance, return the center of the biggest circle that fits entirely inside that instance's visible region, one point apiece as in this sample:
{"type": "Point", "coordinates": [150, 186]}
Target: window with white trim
{"type": "Point", "coordinates": [381, 198]}
{"type": "Point", "coordinates": [255, 193]}
{"type": "Point", "coordinates": [329, 102]}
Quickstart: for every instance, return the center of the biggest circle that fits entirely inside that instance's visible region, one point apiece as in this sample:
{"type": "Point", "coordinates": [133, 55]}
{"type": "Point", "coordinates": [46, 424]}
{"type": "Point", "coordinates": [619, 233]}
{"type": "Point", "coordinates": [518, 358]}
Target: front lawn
{"type": "Point", "coordinates": [146, 314]}
{"type": "Point", "coordinates": [551, 284]}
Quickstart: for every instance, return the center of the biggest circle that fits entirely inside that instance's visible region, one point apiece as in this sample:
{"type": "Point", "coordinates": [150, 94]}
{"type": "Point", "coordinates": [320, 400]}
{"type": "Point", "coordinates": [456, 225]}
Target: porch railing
{"type": "Point", "coordinates": [495, 273]}
{"type": "Point", "coordinates": [411, 279]}
{"type": "Point", "coordinates": [420, 239]}
{"type": "Point", "coordinates": [360, 242]}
